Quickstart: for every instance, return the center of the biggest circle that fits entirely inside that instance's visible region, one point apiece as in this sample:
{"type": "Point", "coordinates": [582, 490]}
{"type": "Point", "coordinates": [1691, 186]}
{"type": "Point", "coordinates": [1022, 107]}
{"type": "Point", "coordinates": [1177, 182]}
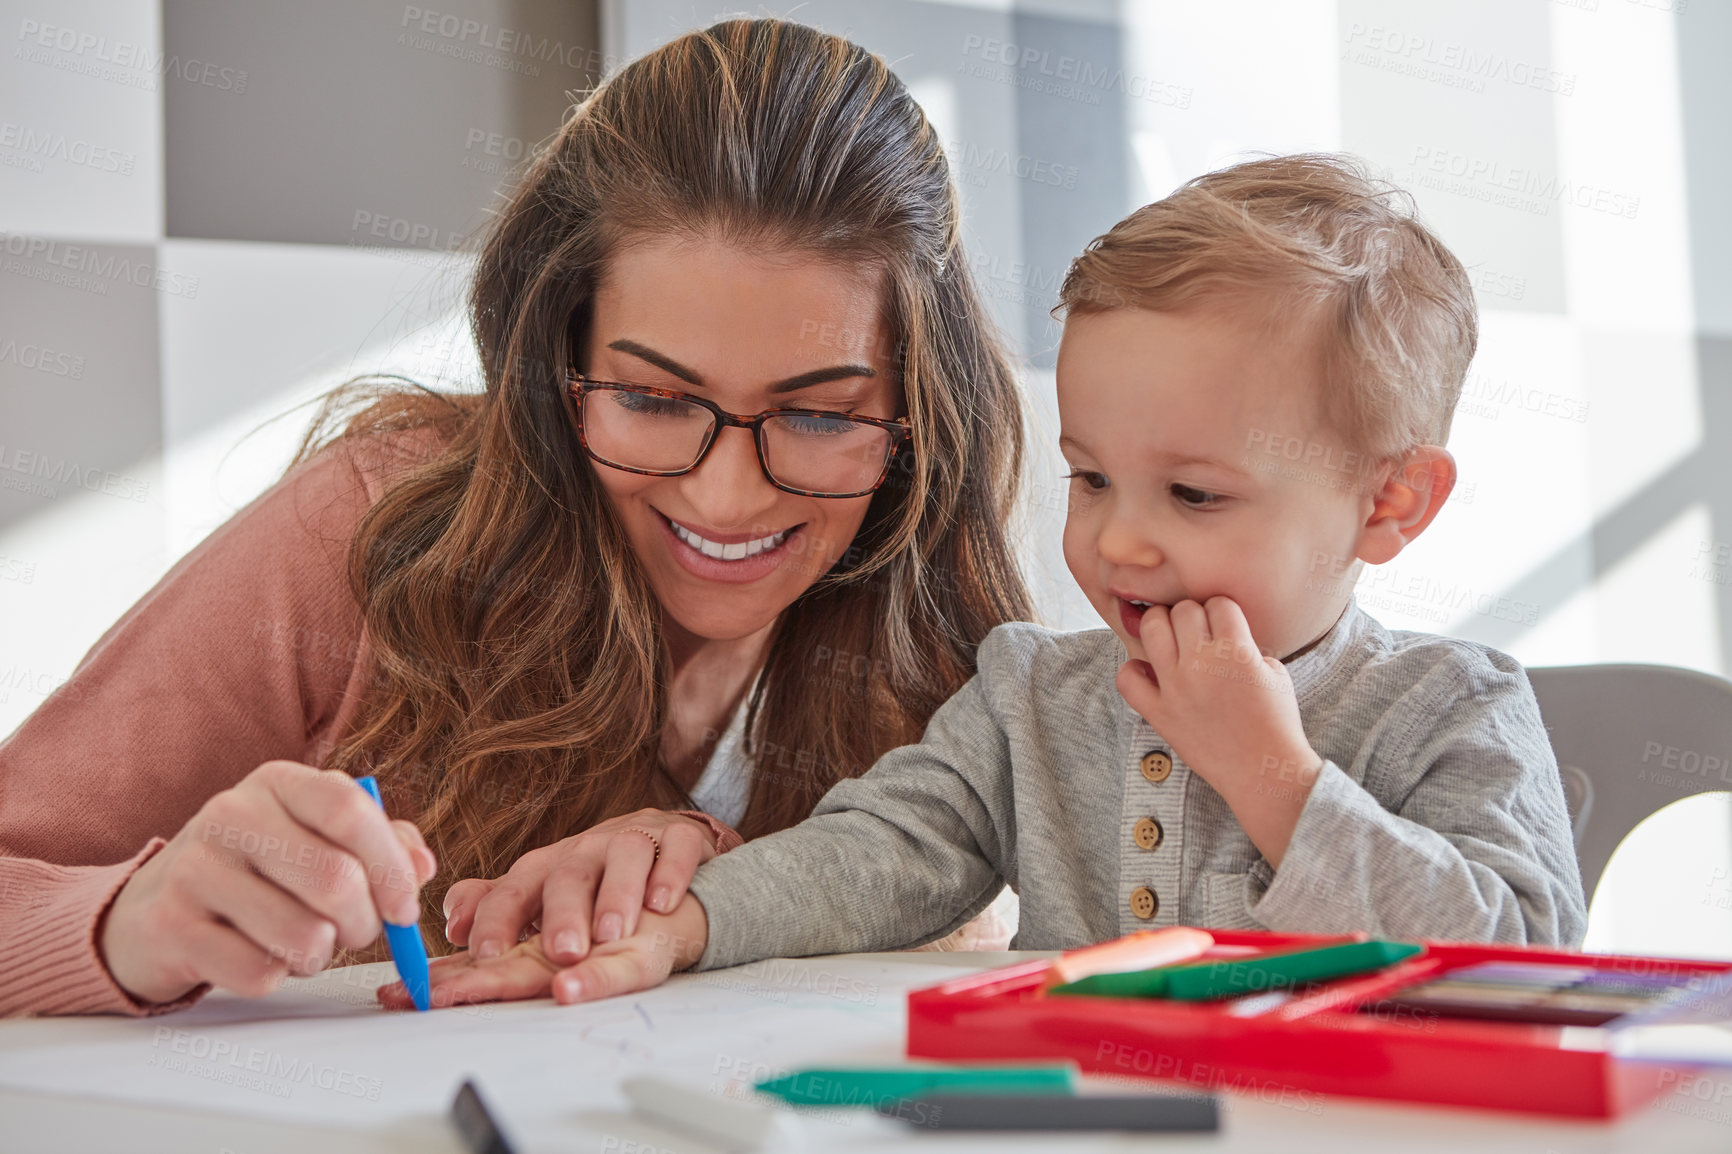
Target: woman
{"type": "Point", "coordinates": [726, 525]}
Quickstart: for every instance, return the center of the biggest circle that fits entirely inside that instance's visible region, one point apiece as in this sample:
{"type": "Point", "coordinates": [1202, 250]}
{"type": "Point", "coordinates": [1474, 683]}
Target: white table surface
{"type": "Point", "coordinates": [81, 1117]}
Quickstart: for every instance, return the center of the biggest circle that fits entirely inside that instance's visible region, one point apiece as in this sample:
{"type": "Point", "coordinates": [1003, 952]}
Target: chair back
{"type": "Point", "coordinates": [1630, 740]}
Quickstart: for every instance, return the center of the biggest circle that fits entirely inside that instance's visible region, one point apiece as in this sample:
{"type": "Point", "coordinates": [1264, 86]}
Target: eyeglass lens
{"type": "Point", "coordinates": [666, 435]}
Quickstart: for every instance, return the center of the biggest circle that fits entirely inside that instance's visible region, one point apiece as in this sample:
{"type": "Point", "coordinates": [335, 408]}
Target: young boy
{"type": "Point", "coordinates": [1255, 386]}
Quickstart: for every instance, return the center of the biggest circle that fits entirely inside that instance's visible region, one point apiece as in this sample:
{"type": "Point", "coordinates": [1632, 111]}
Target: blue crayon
{"type": "Point", "coordinates": [407, 948]}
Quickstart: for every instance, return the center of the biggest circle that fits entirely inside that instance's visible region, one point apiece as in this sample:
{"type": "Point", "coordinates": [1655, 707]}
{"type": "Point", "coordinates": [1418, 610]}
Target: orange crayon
{"type": "Point", "coordinates": [1143, 950]}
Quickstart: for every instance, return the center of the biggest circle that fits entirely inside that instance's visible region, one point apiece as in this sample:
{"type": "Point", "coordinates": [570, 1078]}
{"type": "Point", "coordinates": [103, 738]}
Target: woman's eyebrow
{"type": "Point", "coordinates": [821, 376]}
{"type": "Point", "coordinates": [666, 364]}
{"type": "Point", "coordinates": [803, 380]}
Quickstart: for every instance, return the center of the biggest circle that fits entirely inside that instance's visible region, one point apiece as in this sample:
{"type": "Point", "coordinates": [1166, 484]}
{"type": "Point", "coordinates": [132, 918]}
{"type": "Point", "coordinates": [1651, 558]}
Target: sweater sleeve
{"type": "Point", "coordinates": [1474, 844]}
{"type": "Point", "coordinates": [903, 854]}
{"type": "Point", "coordinates": [248, 650]}
{"type": "Point", "coordinates": [727, 837]}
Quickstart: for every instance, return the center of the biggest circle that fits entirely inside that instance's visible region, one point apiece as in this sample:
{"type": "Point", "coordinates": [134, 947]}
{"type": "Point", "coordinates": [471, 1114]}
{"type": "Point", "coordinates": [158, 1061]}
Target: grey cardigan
{"type": "Point", "coordinates": [1438, 813]}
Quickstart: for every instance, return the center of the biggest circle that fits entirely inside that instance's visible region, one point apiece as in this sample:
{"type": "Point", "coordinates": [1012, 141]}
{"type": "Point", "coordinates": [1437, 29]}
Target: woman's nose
{"type": "Point", "coordinates": [729, 489]}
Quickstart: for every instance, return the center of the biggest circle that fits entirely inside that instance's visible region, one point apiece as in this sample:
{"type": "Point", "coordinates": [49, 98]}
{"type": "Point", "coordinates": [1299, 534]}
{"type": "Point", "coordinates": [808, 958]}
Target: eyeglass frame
{"type": "Point", "coordinates": [578, 386]}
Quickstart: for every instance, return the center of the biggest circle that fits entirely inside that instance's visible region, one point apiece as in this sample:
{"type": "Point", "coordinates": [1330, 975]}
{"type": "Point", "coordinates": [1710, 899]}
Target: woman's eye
{"type": "Point", "coordinates": [1088, 477]}
{"type": "Point", "coordinates": [650, 405]}
{"type": "Point", "coordinates": [1195, 498]}
{"type": "Point", "coordinates": [812, 425]}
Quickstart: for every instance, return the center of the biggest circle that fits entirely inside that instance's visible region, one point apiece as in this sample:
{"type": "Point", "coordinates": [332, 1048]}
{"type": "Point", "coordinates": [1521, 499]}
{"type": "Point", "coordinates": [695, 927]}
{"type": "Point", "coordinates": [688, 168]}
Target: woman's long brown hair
{"type": "Point", "coordinates": [519, 688]}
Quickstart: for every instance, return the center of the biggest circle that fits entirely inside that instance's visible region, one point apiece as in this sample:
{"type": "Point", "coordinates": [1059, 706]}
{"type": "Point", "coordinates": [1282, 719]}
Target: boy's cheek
{"type": "Point", "coordinates": [1080, 558]}
{"type": "Point", "coordinates": [1104, 608]}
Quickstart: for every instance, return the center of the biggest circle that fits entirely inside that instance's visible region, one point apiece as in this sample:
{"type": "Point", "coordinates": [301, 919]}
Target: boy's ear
{"type": "Point", "coordinates": [1412, 494]}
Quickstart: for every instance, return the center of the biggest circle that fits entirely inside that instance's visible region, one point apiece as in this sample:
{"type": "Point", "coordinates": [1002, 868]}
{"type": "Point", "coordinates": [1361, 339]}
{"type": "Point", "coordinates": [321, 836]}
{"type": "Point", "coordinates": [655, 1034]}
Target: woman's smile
{"type": "Point", "coordinates": [735, 558]}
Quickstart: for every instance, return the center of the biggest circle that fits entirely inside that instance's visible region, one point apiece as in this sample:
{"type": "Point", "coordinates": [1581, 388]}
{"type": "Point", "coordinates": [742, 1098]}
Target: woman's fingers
{"type": "Point", "coordinates": [567, 899]}
{"type": "Point", "coordinates": [268, 878]}
{"type": "Point", "coordinates": [272, 920]}
{"type": "Point", "coordinates": [587, 889]}
{"type": "Point", "coordinates": [227, 958]}
{"type": "Point", "coordinates": [331, 804]}
{"type": "Point", "coordinates": [247, 830]}
{"type": "Point", "coordinates": [684, 848]}
{"type": "Point", "coordinates": [619, 899]}
{"type": "Point", "coordinates": [461, 901]}
{"type": "Point", "coordinates": [425, 863]}
{"type": "Point", "coordinates": [509, 907]}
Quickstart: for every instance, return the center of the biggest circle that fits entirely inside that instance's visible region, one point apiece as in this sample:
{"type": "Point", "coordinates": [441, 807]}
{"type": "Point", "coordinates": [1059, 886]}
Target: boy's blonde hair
{"type": "Point", "coordinates": [1320, 241]}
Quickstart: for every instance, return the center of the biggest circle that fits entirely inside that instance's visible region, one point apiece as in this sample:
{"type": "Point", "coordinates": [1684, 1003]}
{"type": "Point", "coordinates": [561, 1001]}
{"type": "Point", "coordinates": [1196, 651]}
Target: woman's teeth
{"type": "Point", "coordinates": [735, 551]}
{"type": "Point", "coordinates": [1142, 604]}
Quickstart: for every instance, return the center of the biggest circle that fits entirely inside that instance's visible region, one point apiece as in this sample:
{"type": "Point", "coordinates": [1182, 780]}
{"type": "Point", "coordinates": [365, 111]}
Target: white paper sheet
{"type": "Point", "coordinates": [322, 1051]}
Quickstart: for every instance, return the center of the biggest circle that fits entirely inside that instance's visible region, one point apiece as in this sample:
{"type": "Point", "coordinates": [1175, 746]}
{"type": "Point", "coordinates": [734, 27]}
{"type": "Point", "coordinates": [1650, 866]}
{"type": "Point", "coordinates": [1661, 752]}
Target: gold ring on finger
{"type": "Point", "coordinates": [655, 841]}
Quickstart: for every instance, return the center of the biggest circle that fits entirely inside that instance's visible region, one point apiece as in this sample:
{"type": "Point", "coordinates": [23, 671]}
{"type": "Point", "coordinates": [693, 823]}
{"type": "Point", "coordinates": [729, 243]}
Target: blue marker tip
{"type": "Point", "coordinates": [408, 951]}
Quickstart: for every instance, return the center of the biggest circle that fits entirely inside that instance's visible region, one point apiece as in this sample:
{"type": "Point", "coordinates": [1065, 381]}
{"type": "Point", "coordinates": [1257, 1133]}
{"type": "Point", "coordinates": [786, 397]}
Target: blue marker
{"type": "Point", "coordinates": [407, 948]}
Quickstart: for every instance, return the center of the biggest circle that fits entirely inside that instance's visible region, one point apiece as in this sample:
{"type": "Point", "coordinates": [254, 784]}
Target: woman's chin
{"type": "Point", "coordinates": [705, 623]}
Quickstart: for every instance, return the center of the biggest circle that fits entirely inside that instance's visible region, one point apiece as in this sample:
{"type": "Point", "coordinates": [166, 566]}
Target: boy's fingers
{"type": "Point", "coordinates": [1227, 621]}
{"type": "Point", "coordinates": [1190, 626]}
{"type": "Point", "coordinates": [506, 979]}
{"type": "Point", "coordinates": [1137, 686]}
{"type": "Point", "coordinates": [604, 975]}
{"type": "Point", "coordinates": [395, 995]}
{"type": "Point", "coordinates": [1160, 644]}
{"type": "Point", "coordinates": [459, 979]}
{"type": "Point", "coordinates": [684, 848]}
{"type": "Point", "coordinates": [619, 899]}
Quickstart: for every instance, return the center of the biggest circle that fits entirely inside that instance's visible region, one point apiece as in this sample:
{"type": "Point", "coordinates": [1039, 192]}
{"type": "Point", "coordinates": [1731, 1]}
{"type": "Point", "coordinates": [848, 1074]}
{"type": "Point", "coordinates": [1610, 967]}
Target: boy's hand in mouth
{"type": "Point", "coordinates": [1228, 709]}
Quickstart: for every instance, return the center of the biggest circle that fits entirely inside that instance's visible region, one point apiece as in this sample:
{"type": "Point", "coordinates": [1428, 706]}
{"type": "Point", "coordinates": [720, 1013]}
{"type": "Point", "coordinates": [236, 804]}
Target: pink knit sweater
{"type": "Point", "coordinates": [250, 649]}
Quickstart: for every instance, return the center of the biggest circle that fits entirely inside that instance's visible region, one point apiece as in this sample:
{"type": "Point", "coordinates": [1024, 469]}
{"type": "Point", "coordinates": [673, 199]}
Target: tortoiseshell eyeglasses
{"type": "Point", "coordinates": [664, 433]}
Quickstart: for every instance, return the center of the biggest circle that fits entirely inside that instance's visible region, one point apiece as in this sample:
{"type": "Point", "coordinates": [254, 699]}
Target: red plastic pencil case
{"type": "Point", "coordinates": [1314, 1046]}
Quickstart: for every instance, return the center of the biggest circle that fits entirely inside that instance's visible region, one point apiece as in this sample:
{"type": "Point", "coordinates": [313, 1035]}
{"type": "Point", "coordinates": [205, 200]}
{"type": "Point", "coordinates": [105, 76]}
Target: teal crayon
{"type": "Point", "coordinates": [872, 1087]}
{"type": "Point", "coordinates": [408, 951]}
{"type": "Point", "coordinates": [1205, 981]}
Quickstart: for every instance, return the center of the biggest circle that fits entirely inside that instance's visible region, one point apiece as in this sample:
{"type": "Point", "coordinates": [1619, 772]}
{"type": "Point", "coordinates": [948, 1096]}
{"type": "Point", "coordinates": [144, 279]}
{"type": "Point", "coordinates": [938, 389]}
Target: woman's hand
{"type": "Point", "coordinates": [661, 945]}
{"type": "Point", "coordinates": [268, 879]}
{"type": "Point", "coordinates": [591, 887]}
